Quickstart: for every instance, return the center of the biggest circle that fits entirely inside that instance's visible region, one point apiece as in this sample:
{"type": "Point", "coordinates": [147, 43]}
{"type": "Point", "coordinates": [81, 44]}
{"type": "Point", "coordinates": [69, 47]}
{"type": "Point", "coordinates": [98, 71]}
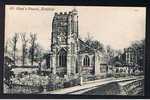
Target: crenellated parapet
{"type": "Point", "coordinates": [65, 16]}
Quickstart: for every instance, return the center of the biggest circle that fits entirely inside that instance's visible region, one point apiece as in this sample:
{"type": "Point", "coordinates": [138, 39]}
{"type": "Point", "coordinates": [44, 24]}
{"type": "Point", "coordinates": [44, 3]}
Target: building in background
{"type": "Point", "coordinates": [130, 56]}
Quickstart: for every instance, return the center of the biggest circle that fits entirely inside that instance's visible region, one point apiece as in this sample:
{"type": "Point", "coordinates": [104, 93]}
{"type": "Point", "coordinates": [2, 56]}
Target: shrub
{"type": "Point", "coordinates": [50, 87]}
{"type": "Point", "coordinates": [109, 75]}
{"type": "Point", "coordinates": [56, 82]}
{"type": "Point", "coordinates": [66, 84]}
{"type": "Point", "coordinates": [73, 82]}
{"type": "Point", "coordinates": [97, 77]}
{"type": "Point", "coordinates": [41, 88]}
{"type": "Point", "coordinates": [117, 75]}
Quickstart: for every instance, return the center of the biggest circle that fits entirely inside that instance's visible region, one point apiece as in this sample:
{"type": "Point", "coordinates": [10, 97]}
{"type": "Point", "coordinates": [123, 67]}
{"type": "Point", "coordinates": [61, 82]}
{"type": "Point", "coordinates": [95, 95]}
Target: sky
{"type": "Point", "coordinates": [114, 26]}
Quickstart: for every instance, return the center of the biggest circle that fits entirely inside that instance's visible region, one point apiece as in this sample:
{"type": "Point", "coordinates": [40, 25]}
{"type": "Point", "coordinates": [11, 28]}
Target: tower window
{"type": "Point", "coordinates": [62, 58]}
{"type": "Point", "coordinates": [86, 61]}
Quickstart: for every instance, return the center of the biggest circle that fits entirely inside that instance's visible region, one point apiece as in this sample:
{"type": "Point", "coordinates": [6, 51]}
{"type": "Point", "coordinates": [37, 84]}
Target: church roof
{"type": "Point", "coordinates": [85, 48]}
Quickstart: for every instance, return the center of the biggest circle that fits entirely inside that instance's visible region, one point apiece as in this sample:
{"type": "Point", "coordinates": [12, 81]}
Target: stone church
{"type": "Point", "coordinates": [69, 54]}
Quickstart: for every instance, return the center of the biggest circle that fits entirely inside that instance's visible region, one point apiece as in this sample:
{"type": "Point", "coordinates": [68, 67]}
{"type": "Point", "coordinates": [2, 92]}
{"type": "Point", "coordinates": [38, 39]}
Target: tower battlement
{"type": "Point", "coordinates": [66, 16]}
{"type": "Point", "coordinates": [66, 13]}
{"type": "Point", "coordinates": [62, 13]}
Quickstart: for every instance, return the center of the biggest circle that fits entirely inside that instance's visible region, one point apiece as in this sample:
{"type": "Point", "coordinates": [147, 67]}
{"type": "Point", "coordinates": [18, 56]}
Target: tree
{"type": "Point", "coordinates": [24, 47]}
{"type": "Point", "coordinates": [14, 44]}
{"type": "Point", "coordinates": [110, 54]}
{"type": "Point", "coordinates": [97, 45]}
{"type": "Point", "coordinates": [94, 43]}
{"type": "Point", "coordinates": [88, 38]}
{"type": "Point", "coordinates": [135, 44]}
{"type": "Point", "coordinates": [33, 38]}
{"type": "Point", "coordinates": [6, 47]}
{"type": "Point", "coordinates": [139, 46]}
{"type": "Point", "coordinates": [38, 53]}
{"type": "Point", "coordinates": [8, 73]}
{"type": "Point", "coordinates": [110, 51]}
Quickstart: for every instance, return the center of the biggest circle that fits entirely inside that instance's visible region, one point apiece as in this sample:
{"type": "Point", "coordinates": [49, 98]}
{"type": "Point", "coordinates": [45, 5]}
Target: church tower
{"type": "Point", "coordinates": [64, 43]}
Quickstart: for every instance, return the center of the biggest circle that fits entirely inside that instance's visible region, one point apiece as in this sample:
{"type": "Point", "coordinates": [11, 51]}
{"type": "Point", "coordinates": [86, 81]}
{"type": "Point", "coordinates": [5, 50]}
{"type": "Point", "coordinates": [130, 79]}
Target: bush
{"type": "Point", "coordinates": [138, 73]}
{"type": "Point", "coordinates": [53, 86]}
{"type": "Point", "coordinates": [117, 75]}
{"type": "Point", "coordinates": [73, 82]}
{"type": "Point", "coordinates": [33, 80]}
{"type": "Point", "coordinates": [41, 88]}
{"type": "Point", "coordinates": [59, 85]}
{"type": "Point", "coordinates": [66, 84]}
{"type": "Point", "coordinates": [56, 82]}
{"type": "Point", "coordinates": [97, 77]}
{"type": "Point", "coordinates": [91, 78]}
{"type": "Point", "coordinates": [76, 82]}
{"type": "Point", "coordinates": [109, 75]}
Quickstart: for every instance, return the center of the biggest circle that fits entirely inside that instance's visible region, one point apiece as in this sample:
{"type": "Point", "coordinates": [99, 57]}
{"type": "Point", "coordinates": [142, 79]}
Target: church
{"type": "Point", "coordinates": [70, 55]}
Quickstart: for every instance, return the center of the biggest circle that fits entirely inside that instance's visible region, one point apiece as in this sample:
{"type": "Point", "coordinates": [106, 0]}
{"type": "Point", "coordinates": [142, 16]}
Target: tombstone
{"type": "Point", "coordinates": [43, 65]}
{"type": "Point", "coordinates": [81, 80]}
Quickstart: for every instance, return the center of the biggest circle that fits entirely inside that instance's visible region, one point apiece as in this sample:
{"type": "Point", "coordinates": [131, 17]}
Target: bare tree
{"type": "Point", "coordinates": [6, 47]}
{"type": "Point", "coordinates": [110, 53]}
{"type": "Point", "coordinates": [38, 53]}
{"type": "Point", "coordinates": [88, 39]}
{"type": "Point", "coordinates": [94, 43]}
{"type": "Point", "coordinates": [14, 44]}
{"type": "Point", "coordinates": [24, 47]}
{"type": "Point", "coordinates": [33, 38]}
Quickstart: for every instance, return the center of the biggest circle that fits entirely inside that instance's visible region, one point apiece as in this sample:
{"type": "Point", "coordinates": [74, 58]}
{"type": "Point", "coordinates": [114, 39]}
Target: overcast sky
{"type": "Point", "coordinates": [114, 26]}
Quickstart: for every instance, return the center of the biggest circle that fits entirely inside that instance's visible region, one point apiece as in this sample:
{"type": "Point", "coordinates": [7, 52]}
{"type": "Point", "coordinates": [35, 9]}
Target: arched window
{"type": "Point", "coordinates": [76, 66]}
{"type": "Point", "coordinates": [62, 58]}
{"type": "Point", "coordinates": [93, 61]}
{"type": "Point", "coordinates": [86, 61]}
{"type": "Point", "coordinates": [93, 65]}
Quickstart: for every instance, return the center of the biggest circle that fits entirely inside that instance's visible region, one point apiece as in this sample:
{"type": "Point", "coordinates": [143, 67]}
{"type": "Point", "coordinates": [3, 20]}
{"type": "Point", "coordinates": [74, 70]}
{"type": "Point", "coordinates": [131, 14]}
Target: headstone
{"type": "Point", "coordinates": [81, 80]}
